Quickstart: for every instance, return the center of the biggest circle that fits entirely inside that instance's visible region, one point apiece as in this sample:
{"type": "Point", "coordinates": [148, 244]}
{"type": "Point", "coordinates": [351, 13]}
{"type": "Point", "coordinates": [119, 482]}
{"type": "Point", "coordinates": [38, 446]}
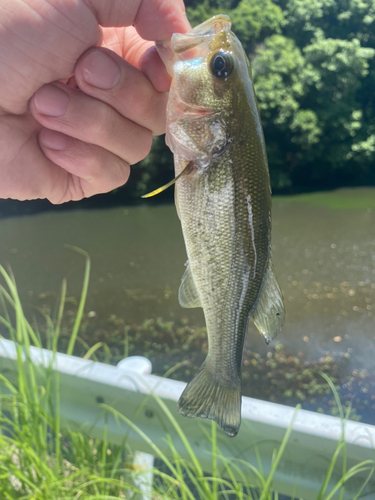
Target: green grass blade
{"type": "Point", "coordinates": [95, 347]}
{"type": "Point", "coordinates": [330, 470]}
{"type": "Point", "coordinates": [279, 455]}
{"type": "Point", "coordinates": [60, 313]}
{"type": "Point", "coordinates": [82, 302]}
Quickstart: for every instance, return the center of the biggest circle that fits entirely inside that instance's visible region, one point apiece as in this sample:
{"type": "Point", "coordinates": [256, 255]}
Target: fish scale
{"type": "Point", "coordinates": [223, 199]}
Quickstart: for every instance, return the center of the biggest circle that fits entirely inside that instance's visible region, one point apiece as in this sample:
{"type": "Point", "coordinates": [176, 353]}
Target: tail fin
{"type": "Point", "coordinates": [211, 396]}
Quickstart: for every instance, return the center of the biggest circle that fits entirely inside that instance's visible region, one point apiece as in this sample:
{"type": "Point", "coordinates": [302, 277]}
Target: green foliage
{"type": "Point", "coordinates": [308, 101]}
{"type": "Point", "coordinates": [338, 19]}
{"type": "Point", "coordinates": [313, 87]}
{"type": "Point", "coordinates": [281, 77]}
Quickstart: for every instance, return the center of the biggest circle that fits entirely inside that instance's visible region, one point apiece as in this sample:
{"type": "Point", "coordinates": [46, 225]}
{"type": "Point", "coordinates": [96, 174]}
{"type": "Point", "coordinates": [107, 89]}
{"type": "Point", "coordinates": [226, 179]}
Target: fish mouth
{"type": "Point", "coordinates": [191, 109]}
{"type": "Point", "coordinates": [200, 112]}
{"type": "Point", "coordinates": [202, 33]}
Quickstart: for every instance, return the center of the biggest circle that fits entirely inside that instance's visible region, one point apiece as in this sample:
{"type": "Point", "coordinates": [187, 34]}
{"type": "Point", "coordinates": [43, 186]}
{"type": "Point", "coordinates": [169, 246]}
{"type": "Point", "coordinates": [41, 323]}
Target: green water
{"type": "Point", "coordinates": [324, 254]}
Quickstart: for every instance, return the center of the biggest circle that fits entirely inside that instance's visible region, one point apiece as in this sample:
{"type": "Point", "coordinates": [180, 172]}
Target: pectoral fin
{"type": "Point", "coordinates": [269, 314]}
{"type": "Point", "coordinates": [188, 293]}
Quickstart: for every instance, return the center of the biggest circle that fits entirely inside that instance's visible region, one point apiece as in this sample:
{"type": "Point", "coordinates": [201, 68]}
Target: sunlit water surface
{"type": "Point", "coordinates": [323, 247]}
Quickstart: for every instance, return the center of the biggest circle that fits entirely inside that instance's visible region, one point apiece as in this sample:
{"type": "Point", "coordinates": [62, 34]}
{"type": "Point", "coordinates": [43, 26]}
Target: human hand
{"type": "Point", "coordinates": [66, 143]}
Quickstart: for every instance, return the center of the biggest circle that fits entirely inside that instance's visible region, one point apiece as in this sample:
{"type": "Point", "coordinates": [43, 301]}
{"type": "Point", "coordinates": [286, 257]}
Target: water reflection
{"type": "Point", "coordinates": [326, 261]}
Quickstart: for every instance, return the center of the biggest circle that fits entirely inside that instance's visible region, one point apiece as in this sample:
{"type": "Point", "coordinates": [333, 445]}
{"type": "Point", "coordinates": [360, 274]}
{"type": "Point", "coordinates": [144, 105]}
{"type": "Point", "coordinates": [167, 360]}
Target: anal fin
{"type": "Point", "coordinates": [269, 313]}
{"type": "Point", "coordinates": [188, 294]}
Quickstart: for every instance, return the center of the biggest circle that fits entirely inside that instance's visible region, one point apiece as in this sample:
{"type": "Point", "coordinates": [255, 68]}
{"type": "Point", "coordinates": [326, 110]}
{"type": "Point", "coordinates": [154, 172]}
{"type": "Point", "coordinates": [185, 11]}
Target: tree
{"type": "Point", "coordinates": [313, 84]}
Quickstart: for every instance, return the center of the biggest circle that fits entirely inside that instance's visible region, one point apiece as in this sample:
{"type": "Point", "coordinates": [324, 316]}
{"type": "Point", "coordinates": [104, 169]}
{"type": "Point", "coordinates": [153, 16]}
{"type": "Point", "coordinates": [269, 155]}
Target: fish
{"type": "Point", "coordinates": [223, 200]}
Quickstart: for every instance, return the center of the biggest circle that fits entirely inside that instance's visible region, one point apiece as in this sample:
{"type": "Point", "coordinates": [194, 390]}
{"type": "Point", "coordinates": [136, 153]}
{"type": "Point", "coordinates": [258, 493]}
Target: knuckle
{"type": "Point", "coordinates": [121, 172]}
{"type": "Point", "coordinates": [101, 124]}
{"type": "Point", "coordinates": [153, 112]}
{"type": "Point", "coordinates": [140, 102]}
{"type": "Point", "coordinates": [143, 147]}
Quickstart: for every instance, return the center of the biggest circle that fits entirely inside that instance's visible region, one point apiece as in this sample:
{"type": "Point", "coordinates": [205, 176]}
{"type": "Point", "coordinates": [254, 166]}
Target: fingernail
{"type": "Point", "coordinates": [53, 140]}
{"type": "Point", "coordinates": [51, 101]}
{"type": "Point", "coordinates": [100, 71]}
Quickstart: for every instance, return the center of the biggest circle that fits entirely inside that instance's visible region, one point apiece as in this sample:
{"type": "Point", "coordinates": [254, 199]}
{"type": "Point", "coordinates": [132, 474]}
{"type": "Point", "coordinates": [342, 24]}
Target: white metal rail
{"type": "Point", "coordinates": [85, 384]}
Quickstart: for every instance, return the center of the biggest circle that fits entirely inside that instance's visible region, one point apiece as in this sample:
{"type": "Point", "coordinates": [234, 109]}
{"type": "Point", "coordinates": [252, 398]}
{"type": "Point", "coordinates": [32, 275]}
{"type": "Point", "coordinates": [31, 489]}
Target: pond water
{"type": "Point", "coordinates": [324, 255]}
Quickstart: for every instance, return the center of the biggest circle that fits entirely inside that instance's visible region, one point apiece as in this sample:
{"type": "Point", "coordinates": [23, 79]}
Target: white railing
{"type": "Point", "coordinates": [84, 385]}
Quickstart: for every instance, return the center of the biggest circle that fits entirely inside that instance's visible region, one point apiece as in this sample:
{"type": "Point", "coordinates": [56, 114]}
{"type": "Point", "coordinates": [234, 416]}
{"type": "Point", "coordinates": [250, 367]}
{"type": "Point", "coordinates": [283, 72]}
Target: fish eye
{"type": "Point", "coordinates": [221, 64]}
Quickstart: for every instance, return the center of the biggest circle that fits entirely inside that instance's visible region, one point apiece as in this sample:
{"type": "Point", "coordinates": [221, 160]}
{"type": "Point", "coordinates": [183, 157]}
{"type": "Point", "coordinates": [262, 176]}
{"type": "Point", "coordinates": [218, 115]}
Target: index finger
{"type": "Point", "coordinates": [153, 19]}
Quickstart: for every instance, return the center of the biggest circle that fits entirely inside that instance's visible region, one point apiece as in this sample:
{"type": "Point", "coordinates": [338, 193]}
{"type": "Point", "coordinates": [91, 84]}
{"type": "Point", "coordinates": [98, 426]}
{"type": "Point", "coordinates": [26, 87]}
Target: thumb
{"type": "Point", "coordinates": [153, 19]}
{"type": "Point", "coordinates": [41, 41]}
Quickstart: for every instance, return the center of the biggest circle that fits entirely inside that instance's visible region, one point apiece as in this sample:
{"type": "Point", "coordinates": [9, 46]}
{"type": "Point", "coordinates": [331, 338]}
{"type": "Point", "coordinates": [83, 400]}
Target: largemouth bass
{"type": "Point", "coordinates": [223, 199]}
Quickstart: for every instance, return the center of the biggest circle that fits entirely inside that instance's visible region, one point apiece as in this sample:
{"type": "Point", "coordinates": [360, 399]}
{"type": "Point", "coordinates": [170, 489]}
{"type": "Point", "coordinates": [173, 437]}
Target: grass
{"type": "Point", "coordinates": [42, 459]}
{"type": "Point", "coordinates": [340, 199]}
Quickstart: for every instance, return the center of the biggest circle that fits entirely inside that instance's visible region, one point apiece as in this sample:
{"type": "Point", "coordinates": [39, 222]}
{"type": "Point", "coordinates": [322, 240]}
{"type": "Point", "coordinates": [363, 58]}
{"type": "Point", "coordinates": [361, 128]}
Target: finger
{"type": "Point", "coordinates": [91, 169]}
{"type": "Point", "coordinates": [153, 67]}
{"type": "Point", "coordinates": [41, 41]}
{"type": "Point", "coordinates": [70, 111]}
{"type": "Point", "coordinates": [25, 172]}
{"type": "Point", "coordinates": [153, 19]}
{"type": "Point", "coordinates": [142, 54]}
{"type": "Point", "coordinates": [33, 168]}
{"type": "Point", "coordinates": [104, 75]}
